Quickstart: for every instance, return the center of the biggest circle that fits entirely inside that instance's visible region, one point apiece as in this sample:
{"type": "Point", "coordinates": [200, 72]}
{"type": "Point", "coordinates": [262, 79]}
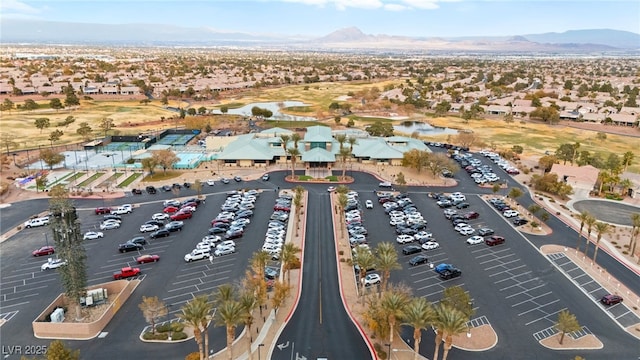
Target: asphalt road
{"type": "Point", "coordinates": [306, 334]}
{"type": "Point", "coordinates": [320, 327]}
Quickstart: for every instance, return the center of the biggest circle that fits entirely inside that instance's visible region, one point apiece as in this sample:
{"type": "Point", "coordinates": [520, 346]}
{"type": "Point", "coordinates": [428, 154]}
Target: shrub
{"type": "Point", "coordinates": [178, 335]}
{"type": "Point", "coordinates": [163, 327]}
{"type": "Point", "coordinates": [177, 326]}
{"type": "Point", "coordinates": [193, 356]}
{"type": "Point", "coordinates": [341, 252]}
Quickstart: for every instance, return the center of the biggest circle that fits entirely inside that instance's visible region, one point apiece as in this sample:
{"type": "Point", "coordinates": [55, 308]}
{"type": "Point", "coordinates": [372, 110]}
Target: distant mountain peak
{"type": "Point", "coordinates": [345, 35]}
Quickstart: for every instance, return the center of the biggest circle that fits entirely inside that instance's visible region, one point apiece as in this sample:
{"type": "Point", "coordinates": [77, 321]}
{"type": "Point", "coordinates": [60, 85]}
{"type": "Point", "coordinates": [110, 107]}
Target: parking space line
{"type": "Point", "coordinates": [502, 264]}
{"type": "Point", "coordinates": [598, 289]}
{"type": "Point", "coordinates": [518, 284]}
{"type": "Point", "coordinates": [531, 298]}
{"type": "Point", "coordinates": [489, 252]}
{"type": "Point", "coordinates": [507, 270]}
{"type": "Point", "coordinates": [524, 292]}
{"type": "Point", "coordinates": [4, 306]}
{"type": "Point", "coordinates": [513, 277]}
{"type": "Point", "coordinates": [497, 258]}
{"type": "Point", "coordinates": [546, 317]}
{"type": "Point", "coordinates": [429, 270]}
{"type": "Point", "coordinates": [623, 314]}
{"type": "Point", "coordinates": [426, 287]}
{"type": "Point", "coordinates": [425, 279]}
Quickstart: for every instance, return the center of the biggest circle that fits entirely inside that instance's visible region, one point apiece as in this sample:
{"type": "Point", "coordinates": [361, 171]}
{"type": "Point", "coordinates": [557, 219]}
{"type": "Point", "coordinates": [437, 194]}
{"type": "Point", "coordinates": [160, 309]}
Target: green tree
{"type": "Point", "coordinates": [364, 259]}
{"type": "Point", "coordinates": [191, 111]}
{"type": "Point", "coordinates": [416, 159]}
{"type": "Point", "coordinates": [152, 309]}
{"type": "Point", "coordinates": [627, 160]}
{"type": "Point", "coordinates": [442, 107]}
{"type": "Point", "coordinates": [583, 216]}
{"type": "Point", "coordinates": [448, 323]}
{"type": "Point", "coordinates": [84, 130]}
{"type": "Point", "coordinates": [567, 322]}
{"type": "Point", "coordinates": [69, 246]}
{"type": "Point", "coordinates": [194, 313]}
{"type": "Point", "coordinates": [294, 153]}
{"type": "Point", "coordinates": [106, 124]}
{"type": "Point", "coordinates": [55, 136]}
{"type": "Point", "coordinates": [386, 259]}
{"type": "Point", "coordinates": [601, 230]}
{"type": "Point", "coordinates": [70, 97]}
{"type": "Point", "coordinates": [394, 302]}
{"type": "Point", "coordinates": [566, 152]}
{"type": "Point", "coordinates": [344, 154]}
{"type": "Point", "coordinates": [590, 221]}
{"type": "Point", "coordinates": [149, 164]}
{"type": "Point", "coordinates": [165, 159]}
{"type": "Point", "coordinates": [29, 105]}
{"type": "Point", "coordinates": [515, 193]}
{"type": "Point", "coordinates": [457, 298]}
{"type": "Point", "coordinates": [230, 314]}
{"type": "Point", "coordinates": [290, 259]}
{"type": "Point", "coordinates": [295, 137]}
{"type": "Point", "coordinates": [7, 141]}
{"type": "Point", "coordinates": [495, 188]}
{"type": "Point", "coordinates": [7, 105]}
{"type": "Point", "coordinates": [248, 301]}
{"type": "Point", "coordinates": [42, 123]}
{"type": "Point", "coordinates": [284, 140]}
{"type": "Point", "coordinates": [546, 162]}
{"type": "Point", "coordinates": [202, 110]}
{"type": "Point", "coordinates": [380, 129]}
{"type": "Point", "coordinates": [418, 314]}
{"type": "Point", "coordinates": [437, 162]}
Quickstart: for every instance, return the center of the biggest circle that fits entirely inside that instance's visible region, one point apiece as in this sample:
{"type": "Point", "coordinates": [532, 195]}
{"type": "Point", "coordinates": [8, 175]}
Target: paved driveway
{"type": "Point", "coordinates": [607, 210]}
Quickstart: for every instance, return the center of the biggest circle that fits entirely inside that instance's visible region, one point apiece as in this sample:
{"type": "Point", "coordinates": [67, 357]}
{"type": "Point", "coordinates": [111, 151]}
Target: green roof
{"type": "Point", "coordinates": [318, 155]}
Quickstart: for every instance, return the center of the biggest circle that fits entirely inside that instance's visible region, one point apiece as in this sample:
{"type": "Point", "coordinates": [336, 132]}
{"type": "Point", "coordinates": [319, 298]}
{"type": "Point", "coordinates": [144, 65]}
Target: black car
{"type": "Point", "coordinates": [140, 240]}
{"type": "Point", "coordinates": [485, 232]}
{"type": "Point", "coordinates": [136, 191]}
{"type": "Point", "coordinates": [450, 274]}
{"type": "Point", "coordinates": [187, 185]}
{"type": "Point", "coordinates": [417, 260]}
{"type": "Point", "coordinates": [174, 226]}
{"type": "Point", "coordinates": [405, 231]}
{"type": "Point", "coordinates": [237, 178]}
{"type": "Point", "coordinates": [462, 205]}
{"type": "Point", "coordinates": [176, 186]}
{"type": "Point", "coordinates": [128, 246]}
{"type": "Point", "coordinates": [411, 249]}
{"type": "Point", "coordinates": [159, 233]}
{"type": "Point", "coordinates": [112, 217]}
{"type": "Point", "coordinates": [166, 188]}
{"type": "Point", "coordinates": [520, 221]}
{"type": "Point", "coordinates": [151, 190]}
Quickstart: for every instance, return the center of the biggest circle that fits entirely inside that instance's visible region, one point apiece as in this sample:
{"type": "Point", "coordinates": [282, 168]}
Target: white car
{"type": "Point", "coordinates": [53, 264]}
{"type": "Point", "coordinates": [271, 248]}
{"type": "Point", "coordinates": [276, 242]}
{"type": "Point", "coordinates": [160, 216]}
{"type": "Point", "coordinates": [466, 231]}
{"type": "Point", "coordinates": [121, 210]}
{"type": "Point", "coordinates": [461, 226]}
{"type": "Point", "coordinates": [211, 182]}
{"type": "Point", "coordinates": [205, 246]}
{"type": "Point", "coordinates": [109, 225]}
{"type": "Point", "coordinates": [197, 254]}
{"type": "Point", "coordinates": [211, 239]}
{"type": "Point", "coordinates": [368, 204]}
{"type": "Point", "coordinates": [357, 239]}
{"type": "Point", "coordinates": [188, 208]}
{"type": "Point", "coordinates": [371, 279]}
{"type": "Point", "coordinates": [240, 222]}
{"type": "Point", "coordinates": [510, 213]}
{"type": "Point", "coordinates": [92, 235]}
{"type": "Point", "coordinates": [403, 239]}
{"type": "Point", "coordinates": [148, 227]}
{"type": "Point", "coordinates": [224, 251]}
{"type": "Point", "coordinates": [396, 221]}
{"type": "Point", "coordinates": [37, 222]}
{"type": "Point", "coordinates": [476, 239]}
{"type": "Point", "coordinates": [226, 243]}
{"type": "Point", "coordinates": [423, 235]}
{"type": "Point", "coordinates": [174, 203]}
{"type": "Point", "coordinates": [430, 245]}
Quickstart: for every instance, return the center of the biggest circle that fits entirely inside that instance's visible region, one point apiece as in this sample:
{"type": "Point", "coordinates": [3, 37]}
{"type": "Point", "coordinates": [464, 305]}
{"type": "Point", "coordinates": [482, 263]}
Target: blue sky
{"type": "Point", "coordinates": [319, 17]}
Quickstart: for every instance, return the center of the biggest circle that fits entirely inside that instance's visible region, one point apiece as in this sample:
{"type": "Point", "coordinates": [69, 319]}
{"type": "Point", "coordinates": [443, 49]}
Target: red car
{"type": "Point", "coordinates": [471, 215]}
{"type": "Point", "coordinates": [43, 251]}
{"type": "Point", "coordinates": [147, 259]}
{"type": "Point", "coordinates": [281, 208]}
{"type": "Point", "coordinates": [181, 216]}
{"type": "Point", "coordinates": [170, 210]}
{"type": "Point", "coordinates": [218, 221]}
{"type": "Point", "coordinates": [611, 299]}
{"type": "Point", "coordinates": [103, 210]}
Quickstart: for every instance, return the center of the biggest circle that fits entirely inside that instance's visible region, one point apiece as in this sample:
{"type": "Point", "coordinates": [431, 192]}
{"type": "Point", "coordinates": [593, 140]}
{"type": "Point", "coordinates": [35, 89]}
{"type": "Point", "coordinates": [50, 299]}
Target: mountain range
{"type": "Point", "coordinates": [49, 32]}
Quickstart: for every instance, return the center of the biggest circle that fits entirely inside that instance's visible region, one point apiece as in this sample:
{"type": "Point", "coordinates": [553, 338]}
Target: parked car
{"type": "Point", "coordinates": [159, 233]}
{"type": "Point", "coordinates": [45, 250]}
{"type": "Point", "coordinates": [520, 221]}
{"type": "Point", "coordinates": [450, 274]}
{"type": "Point", "coordinates": [411, 249]}
{"type": "Point", "coordinates": [160, 216]}
{"type": "Point", "coordinates": [115, 217]}
{"type": "Point", "coordinates": [197, 254]}
{"type": "Point", "coordinates": [140, 240]}
{"type": "Point", "coordinates": [485, 232]}
{"type": "Point", "coordinates": [102, 210]}
{"type": "Point", "coordinates": [611, 299]}
{"type": "Point", "coordinates": [52, 264]}
{"type": "Point", "coordinates": [471, 215]}
{"type": "Point", "coordinates": [475, 240]}
{"type": "Point", "coordinates": [92, 235]}
{"type": "Point", "coordinates": [170, 210]}
{"type": "Point", "coordinates": [403, 239]}
{"type": "Point", "coordinates": [174, 226]}
{"type": "Point", "coordinates": [136, 191]}
{"type": "Point", "coordinates": [148, 227]}
{"type": "Point", "coordinates": [430, 245]}
{"type": "Point", "coordinates": [368, 204]}
{"type": "Point", "coordinates": [129, 246]}
{"type": "Point", "coordinates": [237, 178]}
{"type": "Point", "coordinates": [224, 180]}
{"type": "Point", "coordinates": [384, 184]}
{"type": "Point", "coordinates": [510, 213]}
{"type": "Point", "coordinates": [109, 225]}
{"type": "Point", "coordinates": [265, 177]}
{"type": "Point", "coordinates": [147, 259]}
{"type": "Point", "coordinates": [494, 240]}
{"type": "Point", "coordinates": [418, 259]}
{"type": "Point", "coordinates": [224, 251]}
{"type": "Point", "coordinates": [181, 215]}
{"type": "Point", "coordinates": [371, 279]}
{"type": "Point", "coordinates": [440, 268]}
{"type": "Point", "coordinates": [42, 221]}
{"type": "Point", "coordinates": [211, 182]}
{"type": "Point", "coordinates": [151, 189]}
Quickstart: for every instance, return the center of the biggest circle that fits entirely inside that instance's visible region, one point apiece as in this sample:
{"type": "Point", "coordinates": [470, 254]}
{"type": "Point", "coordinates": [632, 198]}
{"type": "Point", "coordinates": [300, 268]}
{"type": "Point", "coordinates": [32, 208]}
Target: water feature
{"type": "Point", "coordinates": [409, 127]}
{"type": "Point", "coordinates": [274, 107]}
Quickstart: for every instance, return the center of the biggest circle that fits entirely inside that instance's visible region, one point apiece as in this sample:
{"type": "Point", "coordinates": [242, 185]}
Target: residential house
{"type": "Point", "coordinates": [581, 178]}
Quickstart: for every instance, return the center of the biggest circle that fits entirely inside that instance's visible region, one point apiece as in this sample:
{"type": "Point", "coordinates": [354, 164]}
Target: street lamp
{"type": "Point", "coordinates": [259, 346]}
{"type": "Point", "coordinates": [168, 306]}
{"type": "Point", "coordinates": [14, 159]}
{"type": "Point", "coordinates": [388, 350]}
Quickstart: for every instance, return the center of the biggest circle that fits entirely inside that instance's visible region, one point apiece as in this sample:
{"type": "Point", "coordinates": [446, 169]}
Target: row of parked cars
{"type": "Point", "coordinates": [500, 161]}
{"type": "Point", "coordinates": [276, 234]}
{"type": "Point", "coordinates": [480, 173]}
{"type": "Point", "coordinates": [507, 212]}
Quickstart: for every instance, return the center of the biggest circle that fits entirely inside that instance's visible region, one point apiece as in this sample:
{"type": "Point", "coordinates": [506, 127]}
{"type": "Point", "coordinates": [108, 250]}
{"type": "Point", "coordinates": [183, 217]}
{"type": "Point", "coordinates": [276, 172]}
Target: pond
{"type": "Point", "coordinates": [274, 107]}
{"type": "Point", "coordinates": [409, 127]}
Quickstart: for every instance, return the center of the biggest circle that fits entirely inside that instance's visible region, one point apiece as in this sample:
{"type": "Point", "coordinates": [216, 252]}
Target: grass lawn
{"type": "Point", "coordinates": [91, 179]}
{"type": "Point", "coordinates": [129, 180]}
{"type": "Point", "coordinates": [160, 176]}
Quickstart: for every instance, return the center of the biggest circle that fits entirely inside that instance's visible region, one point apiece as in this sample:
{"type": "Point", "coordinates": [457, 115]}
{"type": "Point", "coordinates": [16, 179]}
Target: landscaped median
{"type": "Point", "coordinates": [95, 318]}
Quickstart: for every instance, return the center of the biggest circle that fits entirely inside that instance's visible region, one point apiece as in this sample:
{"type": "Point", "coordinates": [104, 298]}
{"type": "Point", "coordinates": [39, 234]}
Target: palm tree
{"type": "Point", "coordinates": [365, 260]}
{"type": "Point", "coordinates": [625, 184]}
{"type": "Point", "coordinates": [590, 222]}
{"type": "Point", "coordinates": [418, 314]}
{"type": "Point", "coordinates": [627, 159]}
{"type": "Point", "coordinates": [352, 141]}
{"type": "Point", "coordinates": [342, 204]}
{"type": "Point", "coordinates": [344, 155]}
{"type": "Point", "coordinates": [289, 258]}
{"type": "Point", "coordinates": [394, 303]}
{"type": "Point", "coordinates": [230, 314]}
{"type": "Point", "coordinates": [196, 313]}
{"type": "Point", "coordinates": [635, 222]}
{"type": "Point", "coordinates": [567, 322]}
{"type": "Point", "coordinates": [249, 303]}
{"type": "Point", "coordinates": [342, 189]}
{"type": "Point", "coordinates": [341, 139]}
{"type": "Point", "coordinates": [225, 292]}
{"type": "Point", "coordinates": [294, 153]}
{"type": "Point", "coordinates": [386, 260]}
{"type": "Point", "coordinates": [259, 262]}
{"type": "Point", "coordinates": [295, 137]}
{"type": "Point", "coordinates": [583, 218]}
{"type": "Point", "coordinates": [449, 322]}
{"type": "Point", "coordinates": [601, 229]}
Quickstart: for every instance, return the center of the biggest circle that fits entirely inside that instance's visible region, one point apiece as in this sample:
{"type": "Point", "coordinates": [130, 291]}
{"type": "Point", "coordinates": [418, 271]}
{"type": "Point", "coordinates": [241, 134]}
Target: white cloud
{"type": "Point", "coordinates": [390, 5]}
{"type": "Point", "coordinates": [395, 7]}
{"type": "Point", "coordinates": [15, 6]}
{"type": "Point", "coordinates": [422, 4]}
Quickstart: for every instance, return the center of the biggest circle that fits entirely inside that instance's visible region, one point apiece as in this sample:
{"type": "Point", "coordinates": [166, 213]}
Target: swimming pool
{"type": "Point", "coordinates": [189, 160]}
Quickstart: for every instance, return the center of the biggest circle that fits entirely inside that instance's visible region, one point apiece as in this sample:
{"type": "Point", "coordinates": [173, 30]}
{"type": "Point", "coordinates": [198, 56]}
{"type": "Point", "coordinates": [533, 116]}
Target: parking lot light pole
{"type": "Point", "coordinates": [168, 306]}
{"type": "Point", "coordinates": [388, 350]}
